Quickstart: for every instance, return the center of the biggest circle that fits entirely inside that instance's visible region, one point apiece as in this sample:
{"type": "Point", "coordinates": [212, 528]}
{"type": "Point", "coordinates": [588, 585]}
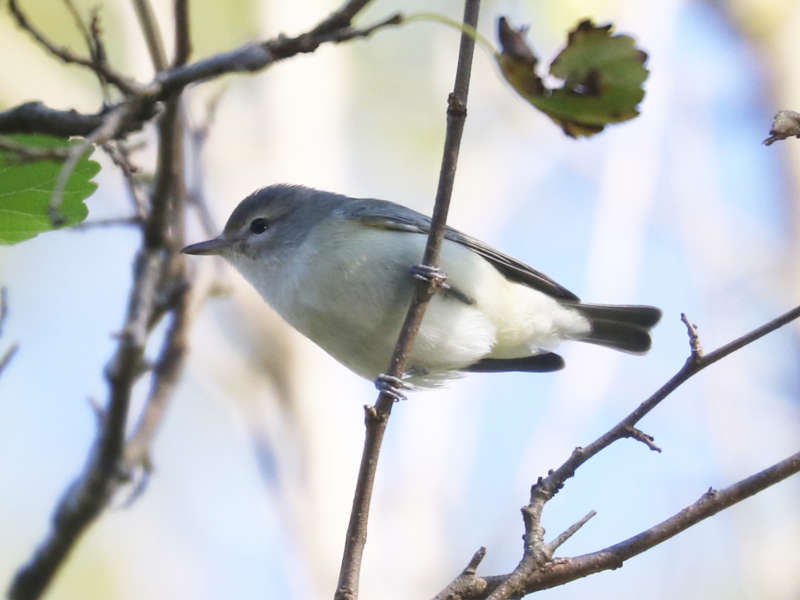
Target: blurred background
{"type": "Point", "coordinates": [256, 459]}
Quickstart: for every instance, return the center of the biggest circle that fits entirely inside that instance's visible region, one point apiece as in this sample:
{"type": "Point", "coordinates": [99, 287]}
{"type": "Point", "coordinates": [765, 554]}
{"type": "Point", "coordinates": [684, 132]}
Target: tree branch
{"type": "Point", "coordinates": [9, 353]}
{"type": "Point", "coordinates": [35, 117]}
{"type": "Point", "coordinates": [183, 44]}
{"type": "Point", "coordinates": [537, 570]}
{"type": "Point", "coordinates": [377, 415]}
{"type": "Point", "coordinates": [158, 267]}
{"type": "Point", "coordinates": [247, 58]}
{"type": "Point", "coordinates": [122, 83]}
{"type": "Point", "coordinates": [568, 569]}
{"type": "Point", "coordinates": [152, 37]}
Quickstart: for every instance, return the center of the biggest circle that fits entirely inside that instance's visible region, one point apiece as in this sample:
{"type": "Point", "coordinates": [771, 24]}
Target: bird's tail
{"type": "Point", "coordinates": [617, 326]}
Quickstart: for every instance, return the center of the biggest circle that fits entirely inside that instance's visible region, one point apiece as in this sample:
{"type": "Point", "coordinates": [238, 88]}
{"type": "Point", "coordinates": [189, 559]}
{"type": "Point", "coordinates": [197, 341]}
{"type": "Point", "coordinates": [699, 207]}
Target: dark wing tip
{"type": "Point", "coordinates": [538, 363]}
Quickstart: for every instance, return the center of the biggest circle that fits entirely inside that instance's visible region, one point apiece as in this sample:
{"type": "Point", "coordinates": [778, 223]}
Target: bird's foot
{"type": "Point", "coordinates": [392, 386]}
{"type": "Point", "coordinates": [433, 275]}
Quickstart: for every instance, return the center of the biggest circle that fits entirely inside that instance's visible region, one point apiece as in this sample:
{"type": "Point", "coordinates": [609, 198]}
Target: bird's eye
{"type": "Point", "coordinates": [259, 225]}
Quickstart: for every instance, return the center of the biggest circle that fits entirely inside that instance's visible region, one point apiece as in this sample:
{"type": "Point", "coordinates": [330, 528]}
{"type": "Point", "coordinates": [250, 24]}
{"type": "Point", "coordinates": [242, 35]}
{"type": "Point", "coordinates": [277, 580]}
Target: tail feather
{"type": "Point", "coordinates": [617, 326]}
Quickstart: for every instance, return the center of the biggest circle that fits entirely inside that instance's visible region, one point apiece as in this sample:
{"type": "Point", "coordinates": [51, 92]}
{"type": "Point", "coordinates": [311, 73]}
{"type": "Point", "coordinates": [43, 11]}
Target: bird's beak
{"type": "Point", "coordinates": [216, 246]}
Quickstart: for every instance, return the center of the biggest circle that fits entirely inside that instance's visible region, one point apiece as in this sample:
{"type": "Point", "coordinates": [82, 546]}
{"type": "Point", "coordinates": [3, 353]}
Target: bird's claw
{"type": "Point", "coordinates": [392, 386]}
{"type": "Point", "coordinates": [433, 275]}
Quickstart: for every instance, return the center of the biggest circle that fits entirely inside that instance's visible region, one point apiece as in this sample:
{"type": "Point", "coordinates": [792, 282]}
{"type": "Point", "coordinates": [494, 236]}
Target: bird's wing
{"type": "Point", "coordinates": [388, 215]}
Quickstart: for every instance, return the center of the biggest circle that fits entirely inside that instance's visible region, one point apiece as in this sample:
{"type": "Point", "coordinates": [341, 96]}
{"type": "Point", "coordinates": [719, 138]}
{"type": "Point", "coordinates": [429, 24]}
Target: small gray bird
{"type": "Point", "coordinates": [338, 269]}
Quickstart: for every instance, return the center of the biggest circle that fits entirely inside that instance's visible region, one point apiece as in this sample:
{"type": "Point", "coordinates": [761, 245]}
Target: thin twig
{"type": "Point", "coordinates": [640, 436]}
{"type": "Point", "coordinates": [250, 57]}
{"type": "Point", "coordinates": [183, 44]}
{"type": "Point", "coordinates": [165, 375]}
{"type": "Point", "coordinates": [134, 221]}
{"type": "Point", "coordinates": [111, 126]}
{"type": "Point", "coordinates": [556, 479]}
{"type": "Point", "coordinates": [536, 566]}
{"type": "Point", "coordinates": [94, 43]}
{"type": "Point", "coordinates": [152, 36]}
{"type": "Point", "coordinates": [377, 416]}
{"type": "Point", "coordinates": [340, 18]}
{"type": "Point", "coordinates": [467, 581]}
{"type": "Point", "coordinates": [565, 570]}
{"type": "Point", "coordinates": [122, 83]}
{"type": "Point", "coordinates": [564, 536]}
{"type": "Point", "coordinates": [199, 139]}
{"type": "Point", "coordinates": [24, 153]}
{"type": "Point", "coordinates": [6, 357]}
{"type": "Point", "coordinates": [694, 337]}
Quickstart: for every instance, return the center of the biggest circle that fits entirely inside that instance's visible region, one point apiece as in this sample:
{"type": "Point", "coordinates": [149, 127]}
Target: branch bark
{"type": "Point", "coordinates": [710, 503]}
{"type": "Point", "coordinates": [160, 284]}
{"type": "Point", "coordinates": [537, 568]}
{"type": "Point", "coordinates": [377, 416]}
{"type": "Point", "coordinates": [168, 83]}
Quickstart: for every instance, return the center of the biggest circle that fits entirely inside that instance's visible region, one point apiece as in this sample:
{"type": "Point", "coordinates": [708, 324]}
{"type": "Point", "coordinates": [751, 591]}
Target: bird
{"type": "Point", "coordinates": [340, 271]}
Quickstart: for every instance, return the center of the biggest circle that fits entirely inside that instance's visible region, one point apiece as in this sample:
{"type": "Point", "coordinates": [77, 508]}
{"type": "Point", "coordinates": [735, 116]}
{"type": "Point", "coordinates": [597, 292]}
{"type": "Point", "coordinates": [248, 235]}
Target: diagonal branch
{"type": "Point", "coordinates": [713, 501]}
{"type": "Point", "coordinates": [9, 353]}
{"type": "Point", "coordinates": [693, 365]}
{"type": "Point", "coordinates": [377, 415]}
{"type": "Point", "coordinates": [537, 570]}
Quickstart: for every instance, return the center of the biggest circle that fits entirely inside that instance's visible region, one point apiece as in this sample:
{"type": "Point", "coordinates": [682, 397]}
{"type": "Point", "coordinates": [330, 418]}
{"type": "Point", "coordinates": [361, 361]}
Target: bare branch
{"type": "Point", "coordinates": [157, 265]}
{"type": "Point", "coordinates": [134, 221]}
{"type": "Point", "coordinates": [166, 372]}
{"type": "Point", "coordinates": [377, 416]}
{"type": "Point", "coordinates": [694, 338]}
{"type": "Point", "coordinates": [537, 569]}
{"type": "Point", "coordinates": [122, 83]}
{"type": "Point", "coordinates": [94, 44]}
{"type": "Point", "coordinates": [25, 153]}
{"type": "Point", "coordinates": [568, 569]}
{"type": "Point", "coordinates": [556, 479]}
{"type": "Point", "coordinates": [183, 44]}
{"type": "Point", "coordinates": [640, 436]}
{"type": "Point", "coordinates": [254, 57]}
{"type": "Point", "coordinates": [340, 18]}
{"type": "Point", "coordinates": [113, 123]}
{"type": "Point", "coordinates": [6, 357]}
{"type": "Point", "coordinates": [9, 353]}
{"type": "Point", "coordinates": [559, 541]}
{"type": "Point", "coordinates": [467, 582]}
{"type": "Point", "coordinates": [247, 58]}
{"type": "Point", "coordinates": [35, 117]}
{"type": "Point", "coordinates": [152, 36]}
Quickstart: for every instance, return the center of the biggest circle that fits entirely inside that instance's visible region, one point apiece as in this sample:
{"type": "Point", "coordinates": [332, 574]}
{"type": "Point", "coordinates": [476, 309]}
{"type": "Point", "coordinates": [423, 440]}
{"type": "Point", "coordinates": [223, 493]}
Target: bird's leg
{"type": "Point", "coordinates": [392, 386]}
{"type": "Point", "coordinates": [433, 275]}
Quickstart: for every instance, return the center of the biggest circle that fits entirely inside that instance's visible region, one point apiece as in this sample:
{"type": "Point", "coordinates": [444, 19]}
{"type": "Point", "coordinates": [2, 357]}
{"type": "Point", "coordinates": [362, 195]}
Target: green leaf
{"type": "Point", "coordinates": [27, 186]}
{"type": "Point", "coordinates": [602, 77]}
